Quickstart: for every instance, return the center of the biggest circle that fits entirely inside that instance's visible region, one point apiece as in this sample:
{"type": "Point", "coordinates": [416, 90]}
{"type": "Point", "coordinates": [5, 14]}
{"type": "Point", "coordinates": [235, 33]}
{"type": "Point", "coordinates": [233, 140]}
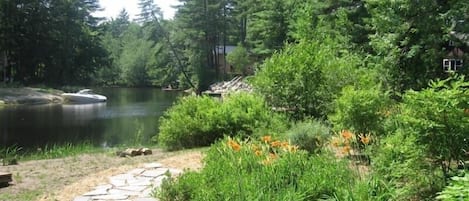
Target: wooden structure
{"type": "Point", "coordinates": [5, 178]}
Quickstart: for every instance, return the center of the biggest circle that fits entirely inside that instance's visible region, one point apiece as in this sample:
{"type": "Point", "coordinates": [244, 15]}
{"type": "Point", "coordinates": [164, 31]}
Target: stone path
{"type": "Point", "coordinates": [135, 185]}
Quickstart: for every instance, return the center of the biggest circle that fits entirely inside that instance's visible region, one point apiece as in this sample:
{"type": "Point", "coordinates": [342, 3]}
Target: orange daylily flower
{"type": "Point", "coordinates": [266, 138]}
{"type": "Point", "coordinates": [285, 144]}
{"type": "Point", "coordinates": [365, 139]}
{"type": "Point", "coordinates": [276, 144]}
{"type": "Point", "coordinates": [346, 134]}
{"type": "Point", "coordinates": [234, 145]}
{"type": "Point", "coordinates": [346, 149]}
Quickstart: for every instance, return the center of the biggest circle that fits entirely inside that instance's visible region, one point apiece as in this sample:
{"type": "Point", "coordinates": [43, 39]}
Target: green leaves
{"type": "Point", "coordinates": [200, 121]}
{"type": "Point", "coordinates": [306, 77]}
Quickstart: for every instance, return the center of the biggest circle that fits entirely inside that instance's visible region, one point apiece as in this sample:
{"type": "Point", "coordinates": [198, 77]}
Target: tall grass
{"type": "Point", "coordinates": [48, 151]}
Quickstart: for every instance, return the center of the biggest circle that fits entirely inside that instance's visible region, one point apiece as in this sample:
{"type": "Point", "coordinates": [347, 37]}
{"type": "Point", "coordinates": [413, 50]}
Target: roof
{"type": "Point", "coordinates": [461, 36]}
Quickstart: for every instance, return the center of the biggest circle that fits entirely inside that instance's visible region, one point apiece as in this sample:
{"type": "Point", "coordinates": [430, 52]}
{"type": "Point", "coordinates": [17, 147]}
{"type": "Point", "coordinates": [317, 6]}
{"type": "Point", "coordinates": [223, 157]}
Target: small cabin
{"type": "Point", "coordinates": [454, 60]}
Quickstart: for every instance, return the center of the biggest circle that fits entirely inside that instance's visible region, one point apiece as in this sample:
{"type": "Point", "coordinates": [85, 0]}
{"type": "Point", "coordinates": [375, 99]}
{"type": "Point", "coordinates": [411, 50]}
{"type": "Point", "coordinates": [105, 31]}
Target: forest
{"type": "Point", "coordinates": [353, 99]}
{"type": "Point", "coordinates": [62, 43]}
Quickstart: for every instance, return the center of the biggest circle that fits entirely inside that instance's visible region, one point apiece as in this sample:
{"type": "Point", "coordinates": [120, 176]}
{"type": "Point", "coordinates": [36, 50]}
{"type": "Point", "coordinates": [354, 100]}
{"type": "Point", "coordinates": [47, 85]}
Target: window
{"type": "Point", "coordinates": [451, 65]}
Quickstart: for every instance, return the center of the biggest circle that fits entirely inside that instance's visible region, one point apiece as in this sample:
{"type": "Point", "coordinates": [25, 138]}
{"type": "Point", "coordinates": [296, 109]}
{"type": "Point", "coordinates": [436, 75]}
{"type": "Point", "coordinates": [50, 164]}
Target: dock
{"type": "Point", "coordinates": [5, 178]}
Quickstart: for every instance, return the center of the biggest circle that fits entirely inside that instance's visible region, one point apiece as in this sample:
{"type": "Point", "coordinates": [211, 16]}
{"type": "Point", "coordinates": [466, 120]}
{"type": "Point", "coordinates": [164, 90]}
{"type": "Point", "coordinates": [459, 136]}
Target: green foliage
{"type": "Point", "coordinates": [457, 190]}
{"type": "Point", "coordinates": [199, 121]}
{"type": "Point", "coordinates": [438, 118]}
{"type": "Point", "coordinates": [360, 110]}
{"type": "Point", "coordinates": [239, 58]}
{"type": "Point", "coordinates": [310, 135]}
{"type": "Point", "coordinates": [266, 170]}
{"type": "Point", "coordinates": [9, 155]}
{"type": "Point", "coordinates": [50, 42]}
{"type": "Point", "coordinates": [401, 162]}
{"type": "Point", "coordinates": [305, 78]}
{"type": "Point", "coordinates": [424, 138]}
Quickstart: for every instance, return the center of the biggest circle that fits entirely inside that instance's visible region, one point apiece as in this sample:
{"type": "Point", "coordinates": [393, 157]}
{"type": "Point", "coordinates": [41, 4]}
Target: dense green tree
{"type": "Point", "coordinates": [53, 42]}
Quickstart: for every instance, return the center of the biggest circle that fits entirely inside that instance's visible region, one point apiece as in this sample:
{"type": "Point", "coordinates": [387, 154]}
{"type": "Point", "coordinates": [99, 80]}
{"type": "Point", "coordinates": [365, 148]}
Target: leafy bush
{"type": "Point", "coordinates": [439, 118]}
{"type": "Point", "coordinates": [425, 136]}
{"type": "Point", "coordinates": [360, 110]}
{"type": "Point", "coordinates": [305, 78]}
{"type": "Point", "coordinates": [457, 190]}
{"type": "Point", "coordinates": [309, 135]}
{"type": "Point", "coordinates": [266, 169]}
{"type": "Point", "coordinates": [401, 162]}
{"type": "Point", "coordinates": [200, 121]}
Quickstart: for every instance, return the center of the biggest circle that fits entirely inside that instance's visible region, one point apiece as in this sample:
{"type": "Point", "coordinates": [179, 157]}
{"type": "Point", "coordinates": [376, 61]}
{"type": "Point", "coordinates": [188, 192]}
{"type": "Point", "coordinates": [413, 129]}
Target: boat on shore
{"type": "Point", "coordinates": [84, 96]}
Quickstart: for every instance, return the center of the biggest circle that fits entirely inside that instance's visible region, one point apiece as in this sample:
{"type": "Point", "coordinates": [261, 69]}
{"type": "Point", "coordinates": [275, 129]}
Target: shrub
{"type": "Point", "coordinates": [305, 78]}
{"type": "Point", "coordinates": [360, 110]}
{"type": "Point", "coordinates": [457, 190]}
{"type": "Point", "coordinates": [266, 169]}
{"type": "Point", "coordinates": [200, 121]}
{"type": "Point", "coordinates": [402, 163]}
{"type": "Point", "coordinates": [309, 135]}
{"type": "Point", "coordinates": [190, 122]}
{"type": "Point", "coordinates": [439, 118]}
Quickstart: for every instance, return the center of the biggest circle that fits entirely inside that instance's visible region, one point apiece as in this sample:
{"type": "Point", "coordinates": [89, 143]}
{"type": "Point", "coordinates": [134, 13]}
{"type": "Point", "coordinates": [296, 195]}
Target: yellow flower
{"type": "Point", "coordinates": [346, 134]}
{"type": "Point", "coordinates": [266, 138]}
{"type": "Point", "coordinates": [234, 145]}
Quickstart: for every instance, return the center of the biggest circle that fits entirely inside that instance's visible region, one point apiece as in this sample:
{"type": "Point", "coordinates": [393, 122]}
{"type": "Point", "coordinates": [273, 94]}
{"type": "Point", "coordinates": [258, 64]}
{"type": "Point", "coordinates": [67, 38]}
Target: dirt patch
{"type": "Point", "coordinates": [64, 179]}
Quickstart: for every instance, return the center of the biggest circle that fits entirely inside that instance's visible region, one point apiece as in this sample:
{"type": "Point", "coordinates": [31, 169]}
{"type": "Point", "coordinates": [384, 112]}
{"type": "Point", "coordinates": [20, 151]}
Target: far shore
{"type": "Point", "coordinates": [29, 96]}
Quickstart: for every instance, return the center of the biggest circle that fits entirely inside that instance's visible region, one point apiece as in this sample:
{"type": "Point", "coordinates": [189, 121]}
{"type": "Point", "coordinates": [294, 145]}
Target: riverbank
{"type": "Point", "coordinates": [66, 178]}
{"type": "Point", "coordinates": [29, 95]}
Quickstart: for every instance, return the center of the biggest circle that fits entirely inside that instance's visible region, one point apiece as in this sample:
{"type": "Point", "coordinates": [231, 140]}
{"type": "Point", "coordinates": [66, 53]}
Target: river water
{"type": "Point", "coordinates": [129, 117]}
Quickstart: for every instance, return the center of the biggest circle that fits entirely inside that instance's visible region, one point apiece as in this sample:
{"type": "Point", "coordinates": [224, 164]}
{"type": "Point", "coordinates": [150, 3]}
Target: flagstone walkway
{"type": "Point", "coordinates": [135, 185]}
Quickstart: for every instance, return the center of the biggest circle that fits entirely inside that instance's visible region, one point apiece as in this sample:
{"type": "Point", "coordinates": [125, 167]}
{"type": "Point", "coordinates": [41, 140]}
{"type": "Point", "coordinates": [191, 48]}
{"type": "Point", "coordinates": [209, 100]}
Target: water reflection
{"type": "Point", "coordinates": [129, 116]}
{"type": "Point", "coordinates": [81, 114]}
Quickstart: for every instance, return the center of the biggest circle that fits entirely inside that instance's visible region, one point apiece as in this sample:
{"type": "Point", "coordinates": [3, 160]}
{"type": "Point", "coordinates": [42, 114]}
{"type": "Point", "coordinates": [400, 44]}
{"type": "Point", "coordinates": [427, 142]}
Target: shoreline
{"type": "Point", "coordinates": [29, 96]}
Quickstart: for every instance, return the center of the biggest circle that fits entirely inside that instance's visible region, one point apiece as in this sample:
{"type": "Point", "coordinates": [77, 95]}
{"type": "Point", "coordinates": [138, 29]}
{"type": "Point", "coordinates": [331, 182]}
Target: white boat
{"type": "Point", "coordinates": [84, 96]}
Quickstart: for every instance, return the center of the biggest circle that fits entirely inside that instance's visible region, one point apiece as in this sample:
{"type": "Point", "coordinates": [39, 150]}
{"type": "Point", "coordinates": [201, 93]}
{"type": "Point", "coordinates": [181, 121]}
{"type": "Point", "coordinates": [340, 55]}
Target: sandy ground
{"type": "Point", "coordinates": [64, 179]}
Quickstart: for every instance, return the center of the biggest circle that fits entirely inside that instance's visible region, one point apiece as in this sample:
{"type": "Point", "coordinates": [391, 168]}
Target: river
{"type": "Point", "coordinates": [129, 117]}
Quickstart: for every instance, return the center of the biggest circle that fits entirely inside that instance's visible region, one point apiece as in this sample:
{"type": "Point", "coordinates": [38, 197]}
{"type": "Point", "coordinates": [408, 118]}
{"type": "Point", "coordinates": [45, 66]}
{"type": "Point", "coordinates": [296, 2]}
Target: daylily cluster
{"type": "Point", "coordinates": [266, 149]}
{"type": "Point", "coordinates": [347, 139]}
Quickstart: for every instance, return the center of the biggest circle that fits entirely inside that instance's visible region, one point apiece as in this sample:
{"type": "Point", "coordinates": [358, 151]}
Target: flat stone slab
{"type": "Point", "coordinates": [155, 173]}
{"type": "Point", "coordinates": [145, 199]}
{"type": "Point", "coordinates": [136, 171]}
{"type": "Point", "coordinates": [123, 192]}
{"type": "Point", "coordinates": [96, 192]}
{"type": "Point", "coordinates": [153, 165]}
{"type": "Point", "coordinates": [82, 198]}
{"type": "Point", "coordinates": [111, 197]}
{"type": "Point", "coordinates": [138, 189]}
